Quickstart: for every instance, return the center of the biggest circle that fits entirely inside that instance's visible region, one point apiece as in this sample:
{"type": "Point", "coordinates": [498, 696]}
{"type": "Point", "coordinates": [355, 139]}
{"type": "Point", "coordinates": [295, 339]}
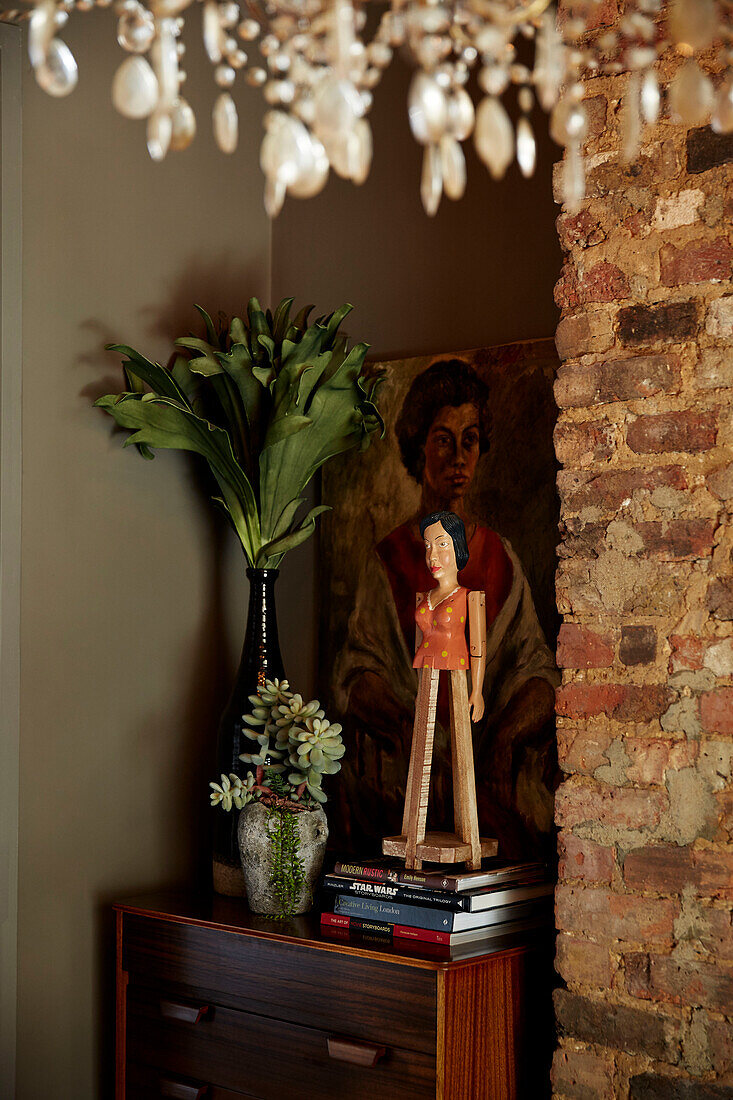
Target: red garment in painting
{"type": "Point", "coordinates": [443, 631]}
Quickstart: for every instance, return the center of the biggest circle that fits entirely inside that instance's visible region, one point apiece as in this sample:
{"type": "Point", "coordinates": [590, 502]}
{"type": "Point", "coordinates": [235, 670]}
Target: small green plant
{"type": "Point", "coordinates": [296, 747]}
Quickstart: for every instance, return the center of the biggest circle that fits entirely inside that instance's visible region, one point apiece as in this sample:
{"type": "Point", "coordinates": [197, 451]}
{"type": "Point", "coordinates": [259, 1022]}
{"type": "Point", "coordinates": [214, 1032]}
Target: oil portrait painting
{"type": "Point", "coordinates": [468, 432]}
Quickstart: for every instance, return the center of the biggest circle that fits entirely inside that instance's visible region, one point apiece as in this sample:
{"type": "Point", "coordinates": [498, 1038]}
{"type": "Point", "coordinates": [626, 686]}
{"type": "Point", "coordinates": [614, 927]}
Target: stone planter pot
{"type": "Point", "coordinates": [255, 849]}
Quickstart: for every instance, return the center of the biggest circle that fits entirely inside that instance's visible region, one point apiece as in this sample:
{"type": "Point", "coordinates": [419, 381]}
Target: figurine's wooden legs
{"type": "Point", "coordinates": [465, 845]}
{"type": "Point", "coordinates": [421, 758]}
{"type": "Point", "coordinates": [464, 782]}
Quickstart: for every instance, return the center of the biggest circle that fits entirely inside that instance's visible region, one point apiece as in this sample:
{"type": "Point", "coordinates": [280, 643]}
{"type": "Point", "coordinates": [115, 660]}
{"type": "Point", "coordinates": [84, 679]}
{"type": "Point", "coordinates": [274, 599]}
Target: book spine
{"type": "Point", "coordinates": [389, 931]}
{"type": "Point", "coordinates": [379, 891]}
{"type": "Point", "coordinates": [395, 913]}
{"type": "Point", "coordinates": [431, 879]}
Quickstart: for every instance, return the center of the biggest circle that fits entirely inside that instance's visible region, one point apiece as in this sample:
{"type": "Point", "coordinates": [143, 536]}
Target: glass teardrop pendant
{"type": "Point", "coordinates": [226, 123]}
{"type": "Point", "coordinates": [526, 147]}
{"type": "Point", "coordinates": [494, 136]}
{"type": "Point", "coordinates": [431, 183]}
{"type": "Point", "coordinates": [135, 88]}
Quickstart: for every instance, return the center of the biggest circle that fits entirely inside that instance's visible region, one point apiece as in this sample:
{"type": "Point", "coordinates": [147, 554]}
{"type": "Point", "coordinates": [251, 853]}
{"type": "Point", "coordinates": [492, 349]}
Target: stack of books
{"type": "Point", "coordinates": [437, 906]}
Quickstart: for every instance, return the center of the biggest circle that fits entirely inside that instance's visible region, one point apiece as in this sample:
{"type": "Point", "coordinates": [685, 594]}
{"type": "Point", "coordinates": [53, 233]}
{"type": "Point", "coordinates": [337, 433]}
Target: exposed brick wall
{"type": "Point", "coordinates": [645, 583]}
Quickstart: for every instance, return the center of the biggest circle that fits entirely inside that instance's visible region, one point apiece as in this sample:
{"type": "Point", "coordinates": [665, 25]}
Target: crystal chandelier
{"type": "Point", "coordinates": [318, 69]}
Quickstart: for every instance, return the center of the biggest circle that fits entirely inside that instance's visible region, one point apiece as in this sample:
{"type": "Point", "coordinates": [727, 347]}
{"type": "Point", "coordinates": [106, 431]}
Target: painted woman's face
{"type": "Point", "coordinates": [451, 452]}
{"type": "Point", "coordinates": [440, 553]}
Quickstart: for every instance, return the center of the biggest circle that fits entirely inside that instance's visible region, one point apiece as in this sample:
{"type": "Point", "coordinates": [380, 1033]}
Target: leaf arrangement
{"type": "Point", "coordinates": [265, 400]}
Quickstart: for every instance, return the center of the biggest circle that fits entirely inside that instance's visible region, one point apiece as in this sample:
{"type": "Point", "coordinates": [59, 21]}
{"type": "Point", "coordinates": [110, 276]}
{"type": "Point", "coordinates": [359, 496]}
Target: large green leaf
{"type": "Point", "coordinates": [162, 423]}
{"type": "Point", "coordinates": [158, 378]}
{"type": "Point", "coordinates": [189, 383]}
{"type": "Point", "coordinates": [341, 415]}
{"type": "Point", "coordinates": [205, 362]}
{"type": "Point", "coordinates": [281, 319]}
{"type": "Point", "coordinates": [279, 546]}
{"type": "Point", "coordinates": [210, 326]}
{"type": "Point", "coordinates": [334, 321]}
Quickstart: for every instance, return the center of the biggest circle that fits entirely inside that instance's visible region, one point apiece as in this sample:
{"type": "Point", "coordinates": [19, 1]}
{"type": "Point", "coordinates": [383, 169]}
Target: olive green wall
{"type": "Point", "coordinates": [132, 597]}
{"type": "Point", "coordinates": [131, 613]}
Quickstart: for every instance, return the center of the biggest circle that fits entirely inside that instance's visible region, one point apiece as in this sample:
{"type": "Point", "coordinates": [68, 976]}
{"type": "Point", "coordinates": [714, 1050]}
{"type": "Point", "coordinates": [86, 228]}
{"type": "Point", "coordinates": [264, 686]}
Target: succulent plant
{"type": "Point", "coordinates": [232, 790]}
{"type": "Point", "coordinates": [292, 736]}
{"type": "Point", "coordinates": [266, 400]}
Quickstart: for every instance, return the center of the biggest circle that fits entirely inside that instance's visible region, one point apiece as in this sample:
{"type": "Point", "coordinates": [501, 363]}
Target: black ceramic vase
{"type": "Point", "coordinates": [261, 660]}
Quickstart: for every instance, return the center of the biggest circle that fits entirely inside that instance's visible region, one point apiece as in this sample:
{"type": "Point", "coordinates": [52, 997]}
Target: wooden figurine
{"type": "Point", "coordinates": [441, 616]}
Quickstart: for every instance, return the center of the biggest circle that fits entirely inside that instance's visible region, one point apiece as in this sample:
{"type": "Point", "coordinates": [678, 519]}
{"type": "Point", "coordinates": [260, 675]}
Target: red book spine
{"type": "Point", "coordinates": [428, 935]}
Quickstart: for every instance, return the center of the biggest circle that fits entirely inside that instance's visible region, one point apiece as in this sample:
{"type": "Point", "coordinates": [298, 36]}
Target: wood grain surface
{"type": "Point", "coordinates": [247, 1052]}
{"type": "Point", "coordinates": [380, 1001]}
{"type": "Point", "coordinates": [238, 1012]}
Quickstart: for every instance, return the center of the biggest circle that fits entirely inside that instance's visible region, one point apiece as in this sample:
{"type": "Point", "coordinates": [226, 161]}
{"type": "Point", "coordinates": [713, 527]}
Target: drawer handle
{"type": "Point", "coordinates": [174, 1010]}
{"type": "Point", "coordinates": [178, 1090]}
{"type": "Point", "coordinates": [349, 1050]}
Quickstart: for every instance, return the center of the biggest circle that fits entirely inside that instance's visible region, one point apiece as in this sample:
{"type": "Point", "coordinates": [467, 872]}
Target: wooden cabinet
{"type": "Point", "coordinates": [215, 1002]}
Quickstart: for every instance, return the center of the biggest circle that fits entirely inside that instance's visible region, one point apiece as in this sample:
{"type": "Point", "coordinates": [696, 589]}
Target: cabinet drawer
{"type": "Point", "coordinates": [367, 999]}
{"type": "Point", "coordinates": [148, 1083]}
{"type": "Point", "coordinates": [265, 1057]}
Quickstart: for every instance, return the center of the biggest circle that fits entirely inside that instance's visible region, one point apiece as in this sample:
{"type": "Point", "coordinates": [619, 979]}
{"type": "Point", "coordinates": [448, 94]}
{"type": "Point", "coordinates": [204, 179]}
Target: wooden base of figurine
{"type": "Point", "coordinates": [465, 845]}
{"type": "Point", "coordinates": [438, 848]}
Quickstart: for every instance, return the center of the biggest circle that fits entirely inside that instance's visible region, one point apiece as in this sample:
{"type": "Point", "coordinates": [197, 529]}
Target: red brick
{"type": "Point", "coordinates": [671, 321]}
{"type": "Point", "coordinates": [581, 444]}
{"type": "Point", "coordinates": [566, 288]}
{"type": "Point", "coordinates": [578, 229]}
{"type": "Point", "coordinates": [640, 376]}
{"type": "Point", "coordinates": [636, 224]}
{"type": "Point", "coordinates": [579, 647]}
{"type": "Point", "coordinates": [687, 431]}
{"type": "Point", "coordinates": [582, 962]}
{"type": "Point", "coordinates": [687, 652]}
{"type": "Point", "coordinates": [662, 978]}
{"type": "Point", "coordinates": [615, 807]}
{"type": "Point", "coordinates": [583, 334]}
{"type": "Point", "coordinates": [714, 872]}
{"type": "Point", "coordinates": [580, 752]}
{"type": "Point", "coordinates": [696, 262]}
{"type": "Point", "coordinates": [663, 868]}
{"type": "Point", "coordinates": [651, 758]}
{"type": "Point", "coordinates": [716, 710]}
{"type": "Point", "coordinates": [714, 931]}
{"type": "Point", "coordinates": [680, 540]}
{"type": "Point", "coordinates": [582, 1075]}
{"type": "Point", "coordinates": [608, 489]}
{"type": "Point", "coordinates": [604, 282]}
{"type": "Point", "coordinates": [610, 916]}
{"type": "Point", "coordinates": [617, 380]}
{"type": "Point", "coordinates": [584, 859]}
{"type": "Point", "coordinates": [624, 702]}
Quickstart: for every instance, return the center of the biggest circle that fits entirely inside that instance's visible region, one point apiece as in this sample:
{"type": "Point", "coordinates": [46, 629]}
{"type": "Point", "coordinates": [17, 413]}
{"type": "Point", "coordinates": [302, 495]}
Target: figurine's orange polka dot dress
{"type": "Point", "coordinates": [443, 631]}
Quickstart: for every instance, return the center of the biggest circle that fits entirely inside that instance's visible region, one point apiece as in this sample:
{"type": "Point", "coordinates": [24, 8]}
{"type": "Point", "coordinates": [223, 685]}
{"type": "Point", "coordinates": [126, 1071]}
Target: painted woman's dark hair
{"type": "Point", "coordinates": [451, 382]}
{"type": "Point", "coordinates": [453, 526]}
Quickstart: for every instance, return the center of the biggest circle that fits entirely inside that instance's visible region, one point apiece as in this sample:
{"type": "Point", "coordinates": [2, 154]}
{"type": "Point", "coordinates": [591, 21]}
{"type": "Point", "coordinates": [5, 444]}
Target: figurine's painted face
{"type": "Point", "coordinates": [451, 451]}
{"type": "Point", "coordinates": [440, 553]}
